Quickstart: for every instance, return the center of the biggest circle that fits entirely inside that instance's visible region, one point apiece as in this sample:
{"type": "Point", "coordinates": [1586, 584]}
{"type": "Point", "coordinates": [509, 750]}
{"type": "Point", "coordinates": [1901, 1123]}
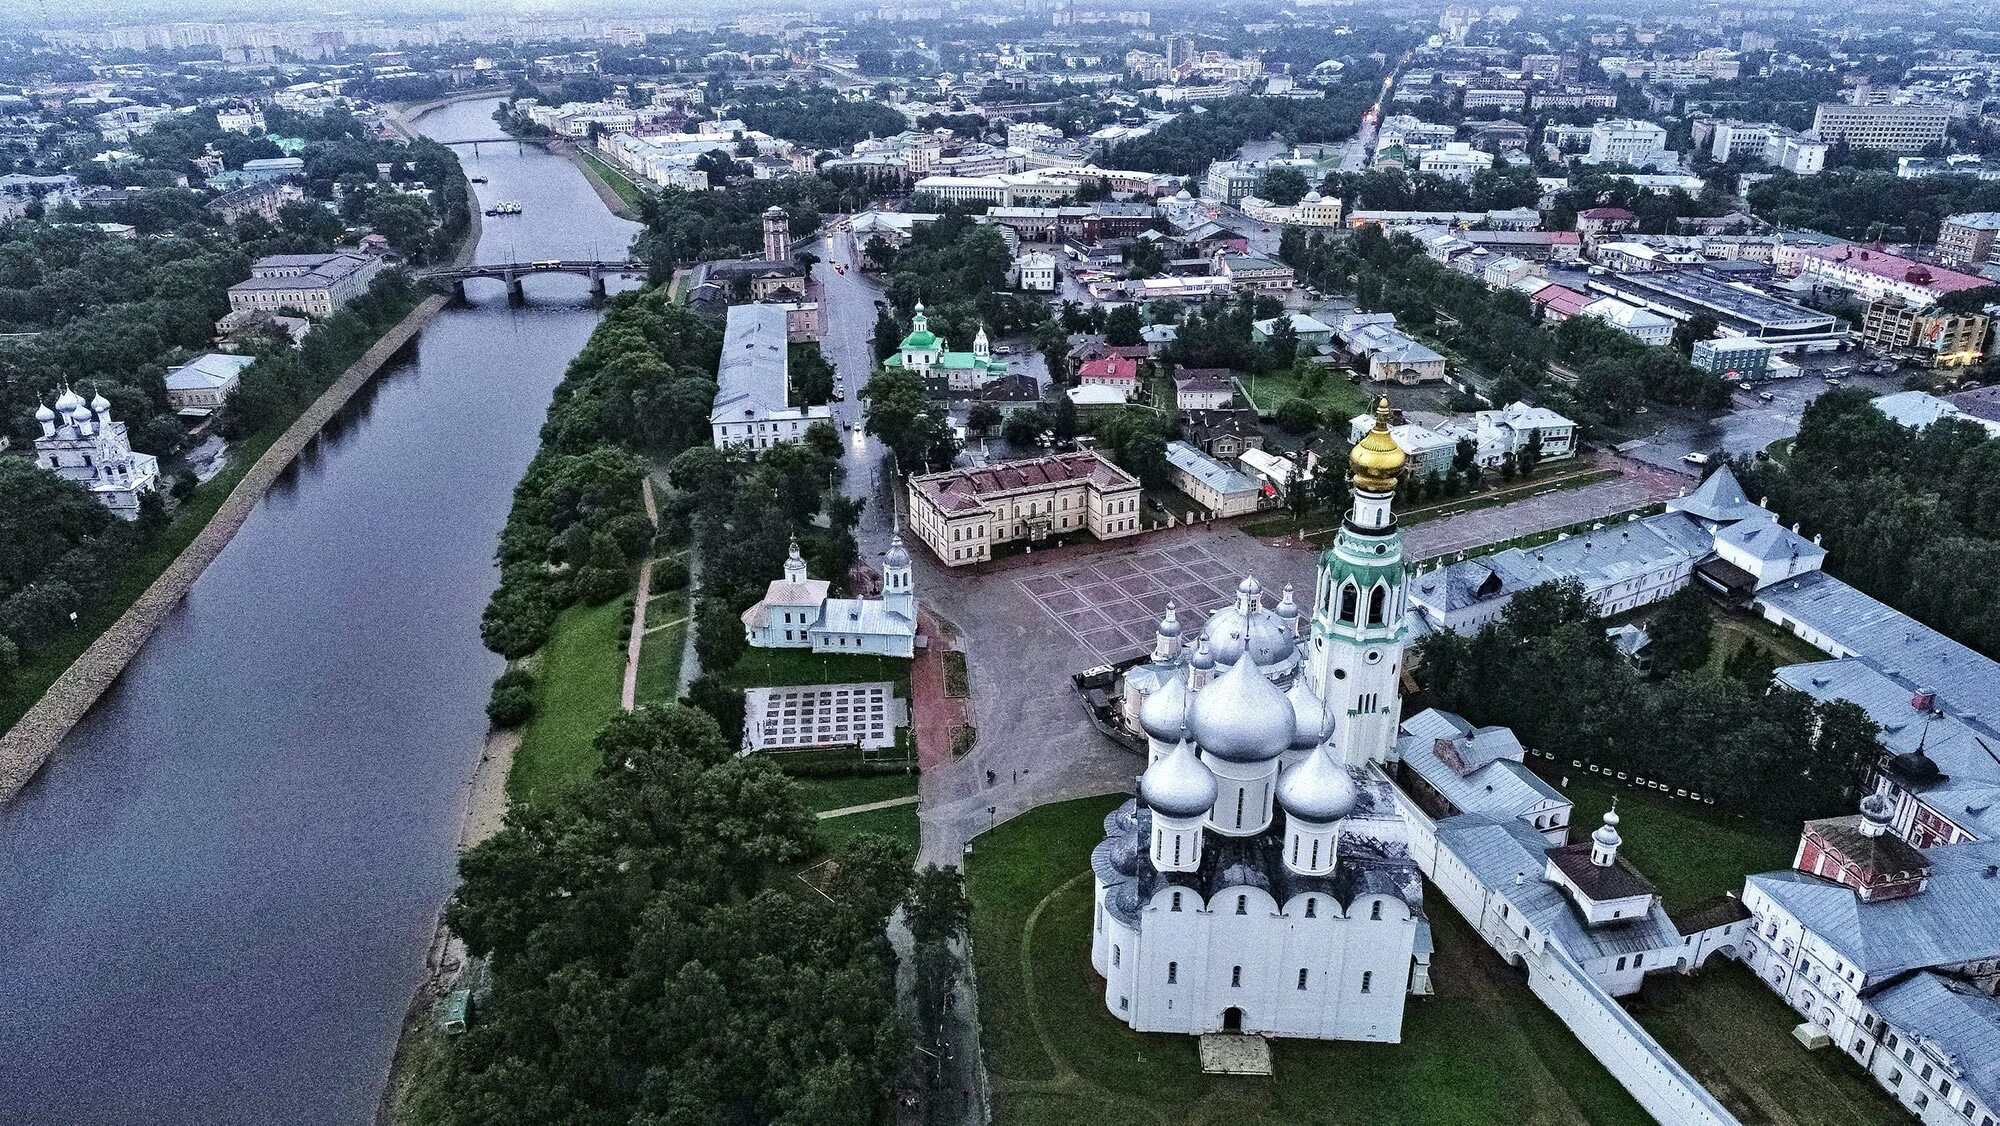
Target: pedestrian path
{"type": "Point", "coordinates": [629, 697]}
{"type": "Point", "coordinates": [868, 807]}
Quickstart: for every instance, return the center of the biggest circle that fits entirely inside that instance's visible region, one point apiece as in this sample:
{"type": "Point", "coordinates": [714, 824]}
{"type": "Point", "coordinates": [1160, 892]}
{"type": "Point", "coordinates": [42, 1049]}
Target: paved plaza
{"type": "Point", "coordinates": [1112, 605]}
{"type": "Point", "coordinates": [823, 715]}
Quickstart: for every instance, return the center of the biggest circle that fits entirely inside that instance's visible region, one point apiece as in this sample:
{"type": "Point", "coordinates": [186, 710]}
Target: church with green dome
{"type": "Point", "coordinates": [924, 353]}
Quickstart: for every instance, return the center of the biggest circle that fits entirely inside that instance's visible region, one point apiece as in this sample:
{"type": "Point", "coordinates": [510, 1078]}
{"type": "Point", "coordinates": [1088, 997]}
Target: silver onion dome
{"type": "Point", "coordinates": [1241, 716]}
{"type": "Point", "coordinates": [1318, 790]}
{"type": "Point", "coordinates": [1178, 785]}
{"type": "Point", "coordinates": [1312, 720]}
{"type": "Point", "coordinates": [1164, 713]}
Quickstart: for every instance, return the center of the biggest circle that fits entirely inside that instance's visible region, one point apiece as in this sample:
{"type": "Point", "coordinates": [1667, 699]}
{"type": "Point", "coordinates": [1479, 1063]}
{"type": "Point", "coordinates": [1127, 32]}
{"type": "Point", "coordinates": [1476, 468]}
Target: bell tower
{"type": "Point", "coordinates": [1358, 632]}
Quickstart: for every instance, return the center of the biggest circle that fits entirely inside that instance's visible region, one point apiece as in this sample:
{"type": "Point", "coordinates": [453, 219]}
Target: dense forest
{"type": "Point", "coordinates": [656, 957]}
{"type": "Point", "coordinates": [1186, 145]}
{"type": "Point", "coordinates": [1547, 670]}
{"type": "Point", "coordinates": [1912, 518]}
{"type": "Point", "coordinates": [1871, 205]}
{"type": "Point", "coordinates": [816, 118]}
{"type": "Point", "coordinates": [686, 226]}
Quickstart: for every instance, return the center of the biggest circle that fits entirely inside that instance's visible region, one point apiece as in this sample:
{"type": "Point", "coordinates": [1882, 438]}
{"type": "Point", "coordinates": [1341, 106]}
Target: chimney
{"type": "Point", "coordinates": [1924, 699]}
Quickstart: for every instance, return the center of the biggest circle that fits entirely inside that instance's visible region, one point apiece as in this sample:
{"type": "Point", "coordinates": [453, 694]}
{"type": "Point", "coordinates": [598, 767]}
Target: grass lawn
{"type": "Point", "coordinates": [841, 791]}
{"type": "Point", "coordinates": [1733, 631]}
{"type": "Point", "coordinates": [619, 182]}
{"type": "Point", "coordinates": [1482, 1051]}
{"type": "Point", "coordinates": [1691, 853]}
{"type": "Point", "coordinates": [1735, 1036]}
{"type": "Point", "coordinates": [770, 668]}
{"type": "Point", "coordinates": [1338, 400]}
{"type": "Point", "coordinates": [899, 824]}
{"type": "Point", "coordinates": [661, 650]}
{"type": "Point", "coordinates": [578, 677]}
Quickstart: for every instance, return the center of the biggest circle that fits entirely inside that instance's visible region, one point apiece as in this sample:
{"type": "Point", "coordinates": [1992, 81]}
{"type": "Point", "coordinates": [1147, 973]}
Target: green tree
{"type": "Point", "coordinates": [1681, 629]}
{"type": "Point", "coordinates": [1298, 416]}
{"type": "Point", "coordinates": [1122, 325]}
{"type": "Point", "coordinates": [718, 635]}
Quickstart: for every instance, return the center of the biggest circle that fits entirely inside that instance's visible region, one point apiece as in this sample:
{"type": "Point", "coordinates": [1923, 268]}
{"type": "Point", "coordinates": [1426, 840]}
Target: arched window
{"type": "Point", "coordinates": [1375, 910]}
{"type": "Point", "coordinates": [1236, 977]}
{"type": "Point", "coordinates": [1378, 605]}
{"type": "Point", "coordinates": [1350, 599]}
{"type": "Point", "coordinates": [1117, 956]}
{"type": "Point", "coordinates": [1177, 902]}
{"type": "Point", "coordinates": [1173, 972]}
{"type": "Point", "coordinates": [1242, 905]}
{"type": "Point", "coordinates": [1368, 981]}
{"type": "Point", "coordinates": [1312, 907]}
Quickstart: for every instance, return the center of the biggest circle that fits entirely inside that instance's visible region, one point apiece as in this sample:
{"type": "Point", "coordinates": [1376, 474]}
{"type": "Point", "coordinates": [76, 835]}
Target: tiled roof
{"type": "Point", "coordinates": [963, 490]}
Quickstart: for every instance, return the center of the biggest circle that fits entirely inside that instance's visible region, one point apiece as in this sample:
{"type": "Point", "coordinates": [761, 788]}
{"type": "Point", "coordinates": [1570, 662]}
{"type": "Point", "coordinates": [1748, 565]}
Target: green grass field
{"type": "Point", "coordinates": [770, 668]}
{"type": "Point", "coordinates": [1735, 1036]}
{"type": "Point", "coordinates": [578, 677]}
{"type": "Point", "coordinates": [1691, 853]}
{"type": "Point", "coordinates": [1482, 1051]}
{"type": "Point", "coordinates": [616, 179]}
{"type": "Point", "coordinates": [1338, 400]}
{"type": "Point", "coordinates": [661, 650]}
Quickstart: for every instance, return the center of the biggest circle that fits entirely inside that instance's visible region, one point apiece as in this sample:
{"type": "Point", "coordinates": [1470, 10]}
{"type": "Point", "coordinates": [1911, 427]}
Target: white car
{"type": "Point", "coordinates": [1695, 459]}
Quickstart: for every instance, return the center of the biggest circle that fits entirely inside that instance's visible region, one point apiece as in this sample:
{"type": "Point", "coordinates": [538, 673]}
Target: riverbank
{"type": "Point", "coordinates": [32, 740]}
{"type": "Point", "coordinates": [614, 201]}
{"type": "Point", "coordinates": [404, 117]}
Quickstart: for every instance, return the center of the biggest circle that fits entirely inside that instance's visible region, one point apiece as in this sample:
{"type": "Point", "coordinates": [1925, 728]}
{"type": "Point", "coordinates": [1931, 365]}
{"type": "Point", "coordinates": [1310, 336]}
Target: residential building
{"type": "Point", "coordinates": [1934, 339]}
{"type": "Point", "coordinates": [1896, 128]}
{"type": "Point", "coordinates": [313, 284]}
{"type": "Point", "coordinates": [1215, 486]}
{"type": "Point", "coordinates": [1627, 141]}
{"type": "Point", "coordinates": [1516, 427]}
{"type": "Point", "coordinates": [1430, 452]}
{"type": "Point", "coordinates": [196, 389]}
{"type": "Point", "coordinates": [1767, 142]}
{"type": "Point", "coordinates": [963, 514]}
{"type": "Point", "coordinates": [753, 383]}
{"type": "Point", "coordinates": [1204, 389]}
{"type": "Point", "coordinates": [1968, 239]}
{"type": "Point", "coordinates": [1734, 357]}
{"type": "Point", "coordinates": [1312, 332]}
{"type": "Point", "coordinates": [1223, 433]}
{"type": "Point", "coordinates": [1035, 272]}
{"type": "Point", "coordinates": [1643, 325]}
{"type": "Point", "coordinates": [796, 613]}
{"type": "Point", "coordinates": [1457, 160]}
{"type": "Point", "coordinates": [263, 198]}
{"type": "Point", "coordinates": [1114, 373]}
{"type": "Point", "coordinates": [1870, 273]}
{"type": "Point", "coordinates": [80, 442]}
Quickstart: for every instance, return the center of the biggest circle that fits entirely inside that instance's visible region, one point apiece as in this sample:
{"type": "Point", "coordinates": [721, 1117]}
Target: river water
{"type": "Point", "coordinates": [216, 900]}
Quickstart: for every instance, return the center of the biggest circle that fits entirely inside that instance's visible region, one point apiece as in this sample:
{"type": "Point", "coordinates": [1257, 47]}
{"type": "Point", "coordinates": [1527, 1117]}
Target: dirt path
{"type": "Point", "coordinates": [629, 698]}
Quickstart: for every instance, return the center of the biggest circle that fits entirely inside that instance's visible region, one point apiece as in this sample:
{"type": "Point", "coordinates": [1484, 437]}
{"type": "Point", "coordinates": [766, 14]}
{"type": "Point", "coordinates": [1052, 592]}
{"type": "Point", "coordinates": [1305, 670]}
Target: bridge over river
{"type": "Point", "coordinates": [597, 270]}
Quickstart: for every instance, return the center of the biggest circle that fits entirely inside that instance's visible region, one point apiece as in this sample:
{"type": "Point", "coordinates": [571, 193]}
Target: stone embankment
{"type": "Point", "coordinates": [35, 738]}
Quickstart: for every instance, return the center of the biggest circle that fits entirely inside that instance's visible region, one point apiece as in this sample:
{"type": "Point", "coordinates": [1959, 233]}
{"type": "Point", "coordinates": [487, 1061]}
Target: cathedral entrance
{"type": "Point", "coordinates": [1232, 1019]}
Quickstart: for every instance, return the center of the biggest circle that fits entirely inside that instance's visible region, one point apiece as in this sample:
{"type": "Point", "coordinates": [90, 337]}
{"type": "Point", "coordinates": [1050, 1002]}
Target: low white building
{"type": "Point", "coordinates": [796, 613]}
{"type": "Point", "coordinates": [1220, 488]}
{"type": "Point", "coordinates": [753, 383]}
{"type": "Point", "coordinates": [1514, 428]}
{"type": "Point", "coordinates": [1456, 160]}
{"type": "Point", "coordinates": [1643, 325]}
{"type": "Point", "coordinates": [1035, 272]}
{"type": "Point", "coordinates": [81, 443]}
{"type": "Point", "coordinates": [197, 389]}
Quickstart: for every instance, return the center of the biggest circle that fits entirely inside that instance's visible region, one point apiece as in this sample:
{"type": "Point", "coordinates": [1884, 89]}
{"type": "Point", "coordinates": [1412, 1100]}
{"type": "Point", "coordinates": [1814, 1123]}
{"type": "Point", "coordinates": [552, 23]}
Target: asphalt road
{"type": "Point", "coordinates": [1750, 424]}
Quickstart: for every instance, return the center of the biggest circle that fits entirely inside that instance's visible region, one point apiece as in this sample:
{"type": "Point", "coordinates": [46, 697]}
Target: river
{"type": "Point", "coordinates": [216, 900]}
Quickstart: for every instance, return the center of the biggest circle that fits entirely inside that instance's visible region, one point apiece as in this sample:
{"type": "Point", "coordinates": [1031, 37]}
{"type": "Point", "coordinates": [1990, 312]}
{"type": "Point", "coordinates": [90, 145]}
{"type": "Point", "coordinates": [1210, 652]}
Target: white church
{"type": "Point", "coordinates": [79, 441]}
{"type": "Point", "coordinates": [1262, 881]}
{"type": "Point", "coordinates": [795, 612]}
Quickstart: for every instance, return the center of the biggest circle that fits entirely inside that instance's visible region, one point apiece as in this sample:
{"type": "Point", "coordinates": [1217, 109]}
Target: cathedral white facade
{"type": "Point", "coordinates": [80, 441]}
{"type": "Point", "coordinates": [1262, 882]}
{"type": "Point", "coordinates": [795, 612]}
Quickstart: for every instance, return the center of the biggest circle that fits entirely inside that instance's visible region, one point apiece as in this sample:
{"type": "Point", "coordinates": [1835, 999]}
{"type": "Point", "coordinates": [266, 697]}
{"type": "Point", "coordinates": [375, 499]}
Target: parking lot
{"type": "Point", "coordinates": [1751, 424]}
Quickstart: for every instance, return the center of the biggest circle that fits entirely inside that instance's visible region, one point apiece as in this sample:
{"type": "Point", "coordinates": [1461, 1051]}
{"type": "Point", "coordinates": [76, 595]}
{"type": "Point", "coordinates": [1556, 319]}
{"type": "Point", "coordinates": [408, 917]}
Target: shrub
{"type": "Point", "coordinates": [1298, 416]}
{"type": "Point", "coordinates": [513, 701]}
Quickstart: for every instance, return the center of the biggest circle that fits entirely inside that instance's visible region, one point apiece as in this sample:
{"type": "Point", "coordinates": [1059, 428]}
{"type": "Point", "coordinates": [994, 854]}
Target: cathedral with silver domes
{"type": "Point", "coordinates": [1261, 882]}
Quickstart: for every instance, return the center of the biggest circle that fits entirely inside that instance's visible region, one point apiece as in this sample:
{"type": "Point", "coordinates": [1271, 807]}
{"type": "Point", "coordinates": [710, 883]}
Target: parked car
{"type": "Point", "coordinates": [1695, 458]}
{"type": "Point", "coordinates": [1766, 396]}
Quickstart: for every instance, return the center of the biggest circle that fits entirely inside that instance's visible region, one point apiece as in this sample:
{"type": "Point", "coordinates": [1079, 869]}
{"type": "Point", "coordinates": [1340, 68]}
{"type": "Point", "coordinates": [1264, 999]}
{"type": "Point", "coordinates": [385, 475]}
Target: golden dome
{"type": "Point", "coordinates": [1377, 459]}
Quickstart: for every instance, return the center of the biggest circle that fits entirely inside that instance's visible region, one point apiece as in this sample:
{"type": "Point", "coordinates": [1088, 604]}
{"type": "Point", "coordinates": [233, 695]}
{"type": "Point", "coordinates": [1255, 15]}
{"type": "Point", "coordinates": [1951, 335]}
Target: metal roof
{"type": "Point", "coordinates": [1965, 681]}
{"type": "Point", "coordinates": [1956, 918]}
{"type": "Point", "coordinates": [1209, 471]}
{"type": "Point", "coordinates": [1952, 1019]}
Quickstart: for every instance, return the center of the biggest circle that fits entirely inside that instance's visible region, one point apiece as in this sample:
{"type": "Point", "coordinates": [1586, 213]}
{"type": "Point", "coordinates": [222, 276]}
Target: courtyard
{"type": "Point", "coordinates": [1113, 605]}
{"type": "Point", "coordinates": [1482, 1050]}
